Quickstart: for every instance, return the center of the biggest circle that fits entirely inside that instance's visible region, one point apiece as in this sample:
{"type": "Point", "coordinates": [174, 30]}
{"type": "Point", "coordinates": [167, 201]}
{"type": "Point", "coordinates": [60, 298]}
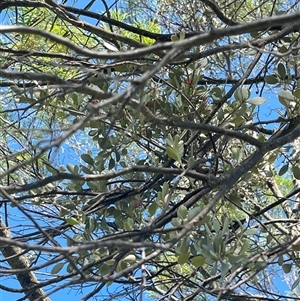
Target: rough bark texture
{"type": "Point", "coordinates": [27, 278]}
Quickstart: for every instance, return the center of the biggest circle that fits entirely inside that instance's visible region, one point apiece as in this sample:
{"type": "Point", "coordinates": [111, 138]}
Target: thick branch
{"type": "Point", "coordinates": [17, 260]}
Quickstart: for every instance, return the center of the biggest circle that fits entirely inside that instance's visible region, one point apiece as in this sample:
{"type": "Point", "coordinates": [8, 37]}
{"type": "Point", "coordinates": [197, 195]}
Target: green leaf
{"type": "Point", "coordinates": [165, 189]}
{"type": "Point", "coordinates": [183, 258]}
{"type": "Point", "coordinates": [104, 269]}
{"type": "Point", "coordinates": [283, 170]}
{"type": "Point", "coordinates": [57, 268]}
{"type": "Point", "coordinates": [172, 153]}
{"type": "Point", "coordinates": [52, 170]}
{"type": "Point", "coordinates": [245, 247]}
{"type": "Point", "coordinates": [87, 159]}
{"type": "Point", "coordinates": [286, 267]}
{"type": "Point", "coordinates": [241, 94]}
{"type": "Point", "coordinates": [220, 114]}
{"type": "Point", "coordinates": [93, 185]}
{"type": "Point", "coordinates": [286, 95]}
{"type": "Point", "coordinates": [191, 162]}
{"type": "Point", "coordinates": [152, 208]}
{"type": "Point", "coordinates": [70, 168]}
{"type": "Point", "coordinates": [129, 258]}
{"type": "Point", "coordinates": [93, 133]}
{"type": "Point", "coordinates": [110, 262]}
{"type": "Point", "coordinates": [105, 143]}
{"type": "Point", "coordinates": [194, 212]}
{"type": "Point", "coordinates": [91, 224]}
{"type": "Point", "coordinates": [296, 247]}
{"type": "Point", "coordinates": [216, 226]}
{"type": "Point", "coordinates": [250, 232]}
{"type": "Point", "coordinates": [183, 245]}
{"type": "Point", "coordinates": [218, 244]}
{"type": "Point", "coordinates": [182, 212]}
{"type": "Point", "coordinates": [296, 93]}
{"type": "Point", "coordinates": [281, 71]}
{"type": "Point", "coordinates": [174, 38]}
{"type": "Point", "coordinates": [270, 79]}
{"type": "Point", "coordinates": [198, 261]}
{"type": "Point", "coordinates": [175, 148]}
{"type": "Point", "coordinates": [85, 170]}
{"type": "Point", "coordinates": [118, 156]}
{"type": "Point", "coordinates": [242, 110]}
{"type": "Point", "coordinates": [296, 172]}
{"type": "Point", "coordinates": [72, 221]}
{"type": "Point", "coordinates": [121, 266]}
{"type": "Point", "coordinates": [225, 226]}
{"type": "Point", "coordinates": [176, 222]}
{"type": "Point", "coordinates": [224, 269]}
{"type": "Point", "coordinates": [111, 163]}
{"type": "Point", "coordinates": [127, 226]}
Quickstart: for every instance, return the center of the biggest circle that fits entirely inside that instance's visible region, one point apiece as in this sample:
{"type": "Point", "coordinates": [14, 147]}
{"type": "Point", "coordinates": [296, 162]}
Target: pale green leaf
{"type": "Point", "coordinates": [182, 212]}
{"type": "Point", "coordinates": [257, 101]}
{"type": "Point", "coordinates": [129, 258]}
{"type": "Point", "coordinates": [172, 153]}
{"type": "Point", "coordinates": [192, 213]}
{"type": "Point", "coordinates": [72, 221]}
{"type": "Point", "coordinates": [57, 268]}
{"type": "Point", "coordinates": [296, 93]}
{"type": "Point", "coordinates": [242, 94]}
{"type": "Point", "coordinates": [176, 222]}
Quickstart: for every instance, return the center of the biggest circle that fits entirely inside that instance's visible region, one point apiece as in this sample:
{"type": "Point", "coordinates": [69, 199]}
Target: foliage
{"type": "Point", "coordinates": [150, 155]}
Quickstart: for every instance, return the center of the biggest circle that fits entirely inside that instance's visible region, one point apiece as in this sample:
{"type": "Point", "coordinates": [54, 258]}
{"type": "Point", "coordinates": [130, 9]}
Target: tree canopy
{"type": "Point", "coordinates": [150, 150]}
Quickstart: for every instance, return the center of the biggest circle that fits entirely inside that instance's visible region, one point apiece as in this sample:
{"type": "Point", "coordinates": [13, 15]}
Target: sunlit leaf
{"type": "Point", "coordinates": [242, 94]}
{"type": "Point", "coordinates": [129, 258]}
{"type": "Point", "coordinates": [198, 261]}
{"type": "Point", "coordinates": [110, 47]}
{"type": "Point", "coordinates": [173, 153]}
{"type": "Point", "coordinates": [296, 93]}
{"type": "Point", "coordinates": [257, 100]}
{"type": "Point", "coordinates": [72, 221]}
